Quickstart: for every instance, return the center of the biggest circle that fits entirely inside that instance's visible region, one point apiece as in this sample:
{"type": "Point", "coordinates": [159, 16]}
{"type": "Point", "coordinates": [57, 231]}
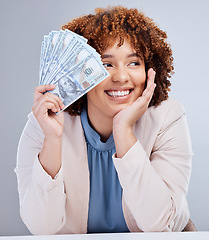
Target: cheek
{"type": "Point", "coordinates": [93, 95]}
{"type": "Point", "coordinates": [140, 80]}
{"type": "Point", "coordinates": [98, 91]}
{"type": "Point", "coordinates": [90, 95]}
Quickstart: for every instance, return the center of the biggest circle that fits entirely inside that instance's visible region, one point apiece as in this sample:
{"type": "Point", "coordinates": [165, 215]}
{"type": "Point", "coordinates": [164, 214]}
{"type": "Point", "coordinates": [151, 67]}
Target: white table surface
{"type": "Point", "coordinates": [119, 236]}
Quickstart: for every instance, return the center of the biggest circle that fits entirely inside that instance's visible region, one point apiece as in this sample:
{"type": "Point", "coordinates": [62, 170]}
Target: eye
{"type": "Point", "coordinates": [107, 65]}
{"type": "Point", "coordinates": [134, 63]}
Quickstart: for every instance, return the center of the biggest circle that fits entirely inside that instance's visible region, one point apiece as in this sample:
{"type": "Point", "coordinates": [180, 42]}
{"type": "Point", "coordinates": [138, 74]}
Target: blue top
{"type": "Point", "coordinates": [105, 200]}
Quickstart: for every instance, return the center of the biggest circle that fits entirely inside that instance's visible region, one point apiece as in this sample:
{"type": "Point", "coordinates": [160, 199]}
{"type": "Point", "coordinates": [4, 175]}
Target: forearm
{"type": "Point", "coordinates": [50, 156]}
{"type": "Point", "coordinates": [124, 140]}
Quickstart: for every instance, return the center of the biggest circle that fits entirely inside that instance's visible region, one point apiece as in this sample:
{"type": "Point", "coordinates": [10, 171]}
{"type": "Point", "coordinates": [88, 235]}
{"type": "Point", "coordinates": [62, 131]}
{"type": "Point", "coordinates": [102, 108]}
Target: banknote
{"type": "Point", "coordinates": [73, 66]}
{"type": "Point", "coordinates": [47, 53]}
{"type": "Point", "coordinates": [78, 53]}
{"type": "Point", "coordinates": [82, 78]}
{"type": "Point", "coordinates": [65, 59]}
{"type": "Point", "coordinates": [58, 47]}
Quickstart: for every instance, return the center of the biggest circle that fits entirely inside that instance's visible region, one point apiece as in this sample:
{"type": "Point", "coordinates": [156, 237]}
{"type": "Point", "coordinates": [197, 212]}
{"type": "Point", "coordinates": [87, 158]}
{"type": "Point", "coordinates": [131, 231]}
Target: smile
{"type": "Point", "coordinates": [118, 93]}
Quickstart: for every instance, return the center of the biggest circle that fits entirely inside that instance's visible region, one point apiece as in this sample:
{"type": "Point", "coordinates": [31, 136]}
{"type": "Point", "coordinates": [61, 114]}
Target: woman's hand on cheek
{"type": "Point", "coordinates": [124, 120]}
{"type": "Point", "coordinates": [129, 115]}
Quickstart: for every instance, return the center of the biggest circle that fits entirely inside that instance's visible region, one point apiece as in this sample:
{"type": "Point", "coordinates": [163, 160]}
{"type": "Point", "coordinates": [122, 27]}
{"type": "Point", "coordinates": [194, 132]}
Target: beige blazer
{"type": "Point", "coordinates": [154, 175]}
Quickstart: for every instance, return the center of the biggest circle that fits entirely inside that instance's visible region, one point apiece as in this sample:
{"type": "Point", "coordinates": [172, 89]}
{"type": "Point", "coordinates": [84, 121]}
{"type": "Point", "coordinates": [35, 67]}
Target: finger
{"type": "Point", "coordinates": [45, 106]}
{"type": "Point", "coordinates": [50, 97]}
{"type": "Point", "coordinates": [149, 93]}
{"type": "Point", "coordinates": [150, 77]}
{"type": "Point", "coordinates": [58, 99]}
{"type": "Point", "coordinates": [40, 90]}
{"type": "Point", "coordinates": [50, 106]}
{"type": "Point", "coordinates": [44, 88]}
{"type": "Point", "coordinates": [148, 89]}
{"type": "Point", "coordinates": [43, 103]}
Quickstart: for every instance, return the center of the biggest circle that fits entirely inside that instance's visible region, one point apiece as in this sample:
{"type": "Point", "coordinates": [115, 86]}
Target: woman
{"type": "Point", "coordinates": [119, 158]}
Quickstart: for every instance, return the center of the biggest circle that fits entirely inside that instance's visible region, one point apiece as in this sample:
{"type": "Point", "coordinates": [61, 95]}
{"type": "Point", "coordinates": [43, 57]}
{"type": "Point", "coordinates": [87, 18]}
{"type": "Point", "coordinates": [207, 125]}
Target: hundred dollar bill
{"type": "Point", "coordinates": [78, 53]}
{"type": "Point", "coordinates": [47, 54]}
{"type": "Point", "coordinates": [65, 44]}
{"type": "Point", "coordinates": [77, 35]}
{"type": "Point", "coordinates": [60, 61]}
{"type": "Point", "coordinates": [58, 45]}
{"type": "Point", "coordinates": [82, 78]}
{"type": "Point", "coordinates": [57, 48]}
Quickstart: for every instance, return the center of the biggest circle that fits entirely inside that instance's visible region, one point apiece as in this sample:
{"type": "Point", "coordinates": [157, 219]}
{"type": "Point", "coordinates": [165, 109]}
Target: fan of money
{"type": "Point", "coordinates": [68, 62]}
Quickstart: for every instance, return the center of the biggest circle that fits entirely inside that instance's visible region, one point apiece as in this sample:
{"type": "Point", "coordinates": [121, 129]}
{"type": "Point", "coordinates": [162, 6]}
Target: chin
{"type": "Point", "coordinates": [115, 111]}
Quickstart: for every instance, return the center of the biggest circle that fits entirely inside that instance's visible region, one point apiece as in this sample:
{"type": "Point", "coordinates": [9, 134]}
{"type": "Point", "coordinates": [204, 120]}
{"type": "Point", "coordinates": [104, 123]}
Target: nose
{"type": "Point", "coordinates": [120, 75]}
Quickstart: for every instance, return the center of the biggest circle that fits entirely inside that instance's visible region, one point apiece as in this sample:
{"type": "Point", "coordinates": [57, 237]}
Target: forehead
{"type": "Point", "coordinates": [125, 50]}
{"type": "Point", "coordinates": [117, 44]}
{"type": "Point", "coordinates": [105, 42]}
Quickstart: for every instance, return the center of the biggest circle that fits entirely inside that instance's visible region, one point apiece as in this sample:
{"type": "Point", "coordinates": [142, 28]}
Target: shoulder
{"type": "Point", "coordinates": [167, 112]}
{"type": "Point", "coordinates": [169, 106]}
{"type": "Point", "coordinates": [168, 117]}
{"type": "Point", "coordinates": [157, 119]}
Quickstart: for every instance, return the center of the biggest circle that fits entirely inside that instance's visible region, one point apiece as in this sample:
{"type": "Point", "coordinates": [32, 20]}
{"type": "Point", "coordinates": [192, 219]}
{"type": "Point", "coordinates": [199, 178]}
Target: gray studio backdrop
{"type": "Point", "coordinates": [23, 24]}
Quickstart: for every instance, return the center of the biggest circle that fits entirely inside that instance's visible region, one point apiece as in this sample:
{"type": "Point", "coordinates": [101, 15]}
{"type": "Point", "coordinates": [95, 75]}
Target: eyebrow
{"type": "Point", "coordinates": [111, 56]}
{"type": "Point", "coordinates": [133, 55]}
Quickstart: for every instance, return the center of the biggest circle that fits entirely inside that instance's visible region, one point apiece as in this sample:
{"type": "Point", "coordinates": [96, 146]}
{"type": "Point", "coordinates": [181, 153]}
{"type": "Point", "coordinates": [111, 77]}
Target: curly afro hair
{"type": "Point", "coordinates": [106, 26]}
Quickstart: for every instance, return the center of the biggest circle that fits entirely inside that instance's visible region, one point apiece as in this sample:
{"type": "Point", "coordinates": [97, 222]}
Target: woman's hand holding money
{"type": "Point", "coordinates": [45, 106]}
{"type": "Point", "coordinates": [44, 109]}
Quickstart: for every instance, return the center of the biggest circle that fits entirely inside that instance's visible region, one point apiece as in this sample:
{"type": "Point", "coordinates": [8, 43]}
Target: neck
{"type": "Point", "coordinates": [101, 123]}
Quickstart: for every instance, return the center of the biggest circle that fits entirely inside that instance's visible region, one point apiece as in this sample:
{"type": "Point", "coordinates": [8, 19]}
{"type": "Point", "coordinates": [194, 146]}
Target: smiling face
{"type": "Point", "coordinates": [124, 85]}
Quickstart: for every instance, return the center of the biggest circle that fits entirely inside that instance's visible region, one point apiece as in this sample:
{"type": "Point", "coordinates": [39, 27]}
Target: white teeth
{"type": "Point", "coordinates": [118, 93]}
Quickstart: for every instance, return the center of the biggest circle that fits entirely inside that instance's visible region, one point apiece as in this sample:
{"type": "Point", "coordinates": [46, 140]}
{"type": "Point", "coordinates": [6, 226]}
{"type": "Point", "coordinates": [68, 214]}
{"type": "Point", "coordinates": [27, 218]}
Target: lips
{"type": "Point", "coordinates": [117, 93]}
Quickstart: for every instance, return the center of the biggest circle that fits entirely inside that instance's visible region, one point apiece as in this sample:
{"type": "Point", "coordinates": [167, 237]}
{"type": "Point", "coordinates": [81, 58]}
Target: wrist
{"type": "Point", "coordinates": [122, 130]}
{"type": "Point", "coordinates": [51, 140]}
{"type": "Point", "coordinates": [50, 155]}
{"type": "Point", "coordinates": [124, 139]}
